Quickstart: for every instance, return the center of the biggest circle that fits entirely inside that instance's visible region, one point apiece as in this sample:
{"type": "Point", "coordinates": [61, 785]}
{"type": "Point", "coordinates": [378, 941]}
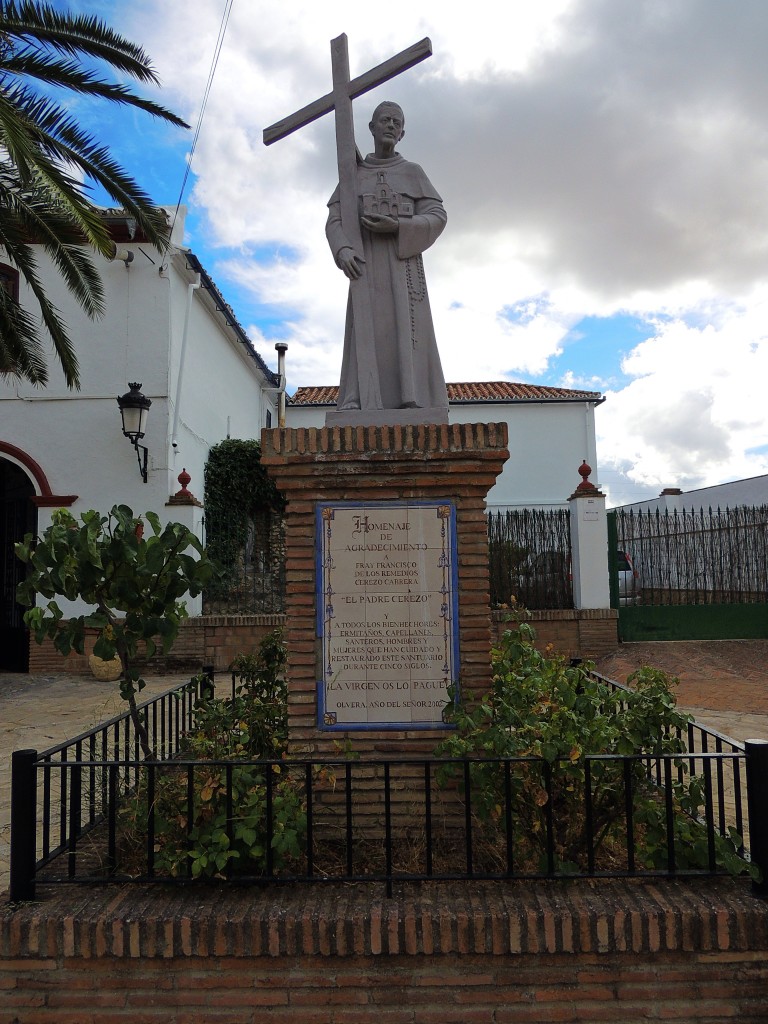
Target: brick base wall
{"type": "Point", "coordinates": [576, 633]}
{"type": "Point", "coordinates": [216, 639]}
{"type": "Point", "coordinates": [623, 952]}
{"type": "Point", "coordinates": [229, 635]}
{"type": "Point", "coordinates": [203, 640]}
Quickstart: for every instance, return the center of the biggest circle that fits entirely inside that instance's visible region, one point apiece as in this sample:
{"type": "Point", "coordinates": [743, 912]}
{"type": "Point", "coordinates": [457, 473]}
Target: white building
{"type": "Point", "coordinates": [551, 432]}
{"type": "Point", "coordinates": [751, 491]}
{"type": "Point", "coordinates": [166, 328]}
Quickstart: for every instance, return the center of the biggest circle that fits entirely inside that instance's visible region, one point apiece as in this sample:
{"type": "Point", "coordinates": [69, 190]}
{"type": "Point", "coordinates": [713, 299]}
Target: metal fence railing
{"type": "Point", "coordinates": [697, 556]}
{"type": "Point", "coordinates": [529, 555]}
{"type": "Point", "coordinates": [54, 805]}
{"type": "Point", "coordinates": [389, 820]}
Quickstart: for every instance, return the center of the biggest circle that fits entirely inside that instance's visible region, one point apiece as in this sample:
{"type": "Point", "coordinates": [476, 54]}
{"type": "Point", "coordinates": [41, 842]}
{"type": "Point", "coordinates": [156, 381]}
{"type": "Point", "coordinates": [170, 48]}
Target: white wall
{"type": "Point", "coordinates": [75, 436]}
{"type": "Point", "coordinates": [222, 388]}
{"type": "Point", "coordinates": [547, 443]}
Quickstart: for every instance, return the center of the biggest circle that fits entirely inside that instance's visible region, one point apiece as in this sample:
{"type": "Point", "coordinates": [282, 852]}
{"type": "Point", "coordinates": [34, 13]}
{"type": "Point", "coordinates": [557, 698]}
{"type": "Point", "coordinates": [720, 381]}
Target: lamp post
{"type": "Point", "coordinates": [133, 409]}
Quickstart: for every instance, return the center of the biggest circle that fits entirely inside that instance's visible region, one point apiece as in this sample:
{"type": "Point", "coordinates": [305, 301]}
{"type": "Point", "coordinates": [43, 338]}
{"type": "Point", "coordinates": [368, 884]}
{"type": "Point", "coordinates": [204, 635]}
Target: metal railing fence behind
{"type": "Point", "coordinates": [89, 810]}
{"type": "Point", "coordinates": [697, 556]}
{"type": "Point", "coordinates": [384, 821]}
{"type": "Point", "coordinates": [529, 553]}
{"type": "Point", "coordinates": [388, 820]}
{"type": "Point", "coordinates": [61, 808]}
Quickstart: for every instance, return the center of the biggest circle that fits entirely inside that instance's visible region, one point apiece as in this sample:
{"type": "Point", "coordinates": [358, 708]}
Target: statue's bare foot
{"type": "Point", "coordinates": [350, 406]}
{"type": "Point", "coordinates": [410, 405]}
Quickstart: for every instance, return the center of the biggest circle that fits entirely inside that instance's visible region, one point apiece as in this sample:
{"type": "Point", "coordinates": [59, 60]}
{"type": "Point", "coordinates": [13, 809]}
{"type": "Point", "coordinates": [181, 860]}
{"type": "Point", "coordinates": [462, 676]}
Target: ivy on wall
{"type": "Point", "coordinates": [238, 493]}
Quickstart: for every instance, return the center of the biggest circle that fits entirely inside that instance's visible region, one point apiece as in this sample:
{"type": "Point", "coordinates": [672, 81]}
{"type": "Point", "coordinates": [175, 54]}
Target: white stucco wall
{"type": "Point", "coordinates": [547, 443]}
{"type": "Point", "coordinates": [222, 390]}
{"type": "Point", "coordinates": [75, 436]}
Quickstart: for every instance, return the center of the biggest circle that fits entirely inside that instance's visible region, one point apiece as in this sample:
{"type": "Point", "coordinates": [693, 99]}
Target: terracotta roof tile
{"type": "Point", "coordinates": [488, 391]}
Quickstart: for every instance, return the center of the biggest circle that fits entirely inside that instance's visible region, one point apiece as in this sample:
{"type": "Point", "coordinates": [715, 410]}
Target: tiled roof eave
{"type": "Point", "coordinates": [228, 315]}
{"type": "Point", "coordinates": [483, 393]}
{"type": "Point", "coordinates": [597, 398]}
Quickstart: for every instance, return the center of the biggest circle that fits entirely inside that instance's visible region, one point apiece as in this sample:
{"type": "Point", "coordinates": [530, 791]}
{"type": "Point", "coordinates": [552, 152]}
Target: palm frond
{"type": "Point", "coordinates": [21, 351]}
{"type": "Point", "coordinates": [55, 140]}
{"type": "Point", "coordinates": [71, 33]}
{"type": "Point", "coordinates": [29, 217]}
{"type": "Point", "coordinates": [69, 74]}
{"type": "Point", "coordinates": [52, 320]}
{"type": "Point", "coordinates": [47, 162]}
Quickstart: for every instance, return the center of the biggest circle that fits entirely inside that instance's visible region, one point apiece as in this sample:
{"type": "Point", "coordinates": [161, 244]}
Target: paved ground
{"type": "Point", "coordinates": [41, 711]}
{"type": "Point", "coordinates": [723, 683]}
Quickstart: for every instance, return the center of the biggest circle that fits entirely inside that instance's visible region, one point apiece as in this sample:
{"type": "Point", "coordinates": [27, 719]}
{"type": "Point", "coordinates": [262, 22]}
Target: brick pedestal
{"type": "Point", "coordinates": [458, 463]}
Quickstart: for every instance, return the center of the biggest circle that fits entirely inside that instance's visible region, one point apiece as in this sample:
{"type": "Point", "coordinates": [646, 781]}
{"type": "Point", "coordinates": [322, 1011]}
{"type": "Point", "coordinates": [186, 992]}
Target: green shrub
{"type": "Point", "coordinates": [237, 490]}
{"type": "Point", "coordinates": [196, 828]}
{"type": "Point", "coordinates": [134, 586]}
{"type": "Point", "coordinates": [541, 707]}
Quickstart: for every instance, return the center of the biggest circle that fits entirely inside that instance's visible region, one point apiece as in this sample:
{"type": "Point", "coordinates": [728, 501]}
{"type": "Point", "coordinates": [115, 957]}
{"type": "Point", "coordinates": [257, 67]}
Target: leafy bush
{"type": "Point", "coordinates": [213, 817]}
{"type": "Point", "coordinates": [134, 585]}
{"type": "Point", "coordinates": [225, 823]}
{"type": "Point", "coordinates": [542, 708]}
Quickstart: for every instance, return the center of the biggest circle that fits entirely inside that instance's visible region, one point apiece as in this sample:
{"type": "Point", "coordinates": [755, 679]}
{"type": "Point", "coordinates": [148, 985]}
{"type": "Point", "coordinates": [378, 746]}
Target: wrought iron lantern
{"type": "Point", "coordinates": [134, 408]}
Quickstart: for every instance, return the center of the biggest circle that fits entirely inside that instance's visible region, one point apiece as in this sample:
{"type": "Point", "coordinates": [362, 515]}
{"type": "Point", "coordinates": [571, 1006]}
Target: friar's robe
{"type": "Point", "coordinates": [407, 361]}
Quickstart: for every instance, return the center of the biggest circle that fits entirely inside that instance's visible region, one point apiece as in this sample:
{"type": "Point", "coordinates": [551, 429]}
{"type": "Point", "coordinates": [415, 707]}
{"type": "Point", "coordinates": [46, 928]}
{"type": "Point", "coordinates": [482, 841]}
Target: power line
{"type": "Point", "coordinates": [206, 94]}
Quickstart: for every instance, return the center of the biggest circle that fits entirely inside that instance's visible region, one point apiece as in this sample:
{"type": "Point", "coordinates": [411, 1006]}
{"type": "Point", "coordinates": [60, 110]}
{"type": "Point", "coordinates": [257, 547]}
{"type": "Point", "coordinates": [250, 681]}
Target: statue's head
{"type": "Point", "coordinates": [387, 119]}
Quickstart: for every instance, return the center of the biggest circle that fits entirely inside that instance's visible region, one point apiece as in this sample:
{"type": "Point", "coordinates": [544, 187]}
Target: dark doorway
{"type": "Point", "coordinates": [18, 516]}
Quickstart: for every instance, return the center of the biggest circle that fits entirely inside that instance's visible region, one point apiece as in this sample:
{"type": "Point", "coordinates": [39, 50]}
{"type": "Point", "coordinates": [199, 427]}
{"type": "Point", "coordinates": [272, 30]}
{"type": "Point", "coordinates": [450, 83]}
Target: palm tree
{"type": "Point", "coordinates": [45, 158]}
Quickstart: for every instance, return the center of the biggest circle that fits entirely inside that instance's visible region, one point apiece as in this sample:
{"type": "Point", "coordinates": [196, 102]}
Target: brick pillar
{"type": "Point", "coordinates": [458, 463]}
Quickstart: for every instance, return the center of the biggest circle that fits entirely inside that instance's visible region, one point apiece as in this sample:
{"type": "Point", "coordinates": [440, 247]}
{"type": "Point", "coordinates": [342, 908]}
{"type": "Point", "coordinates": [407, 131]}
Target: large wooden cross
{"type": "Point", "coordinates": [340, 101]}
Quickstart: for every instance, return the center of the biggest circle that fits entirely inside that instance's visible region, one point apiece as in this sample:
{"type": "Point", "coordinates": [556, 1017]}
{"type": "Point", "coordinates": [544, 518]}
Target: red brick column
{"type": "Point", "coordinates": [459, 463]}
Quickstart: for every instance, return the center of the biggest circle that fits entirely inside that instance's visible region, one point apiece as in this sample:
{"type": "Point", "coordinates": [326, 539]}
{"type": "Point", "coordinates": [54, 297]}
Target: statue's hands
{"type": "Point", "coordinates": [380, 224]}
{"type": "Point", "coordinates": [348, 261]}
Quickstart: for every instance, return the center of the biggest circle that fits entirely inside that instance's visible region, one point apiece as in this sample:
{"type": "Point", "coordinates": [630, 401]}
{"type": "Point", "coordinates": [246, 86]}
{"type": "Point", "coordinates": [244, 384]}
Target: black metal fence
{"type": "Point", "coordinates": [61, 795]}
{"type": "Point", "coordinates": [529, 554]}
{"type": "Point", "coordinates": [390, 820]}
{"type": "Point", "coordinates": [704, 556]}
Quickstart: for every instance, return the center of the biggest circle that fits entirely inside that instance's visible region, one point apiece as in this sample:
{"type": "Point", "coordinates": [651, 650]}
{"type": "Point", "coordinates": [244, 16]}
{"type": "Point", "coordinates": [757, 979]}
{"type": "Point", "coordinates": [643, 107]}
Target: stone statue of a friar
{"type": "Point", "coordinates": [383, 215]}
{"type": "Point", "coordinates": [401, 215]}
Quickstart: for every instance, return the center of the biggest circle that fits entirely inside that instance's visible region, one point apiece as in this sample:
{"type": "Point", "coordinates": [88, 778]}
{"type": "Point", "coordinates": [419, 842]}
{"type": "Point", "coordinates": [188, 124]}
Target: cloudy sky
{"type": "Point", "coordinates": [604, 164]}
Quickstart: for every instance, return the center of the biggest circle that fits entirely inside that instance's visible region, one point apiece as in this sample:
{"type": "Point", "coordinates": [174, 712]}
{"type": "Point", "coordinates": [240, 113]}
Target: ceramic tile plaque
{"type": "Point", "coordinates": [386, 613]}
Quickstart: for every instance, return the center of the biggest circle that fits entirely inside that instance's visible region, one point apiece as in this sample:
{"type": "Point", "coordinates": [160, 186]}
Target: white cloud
{"type": "Point", "coordinates": [694, 413]}
{"type": "Point", "coordinates": [595, 156]}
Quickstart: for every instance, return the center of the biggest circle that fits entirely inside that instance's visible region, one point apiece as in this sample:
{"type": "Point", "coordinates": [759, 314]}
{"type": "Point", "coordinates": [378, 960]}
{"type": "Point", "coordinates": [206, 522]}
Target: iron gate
{"type": "Point", "coordinates": [702, 574]}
